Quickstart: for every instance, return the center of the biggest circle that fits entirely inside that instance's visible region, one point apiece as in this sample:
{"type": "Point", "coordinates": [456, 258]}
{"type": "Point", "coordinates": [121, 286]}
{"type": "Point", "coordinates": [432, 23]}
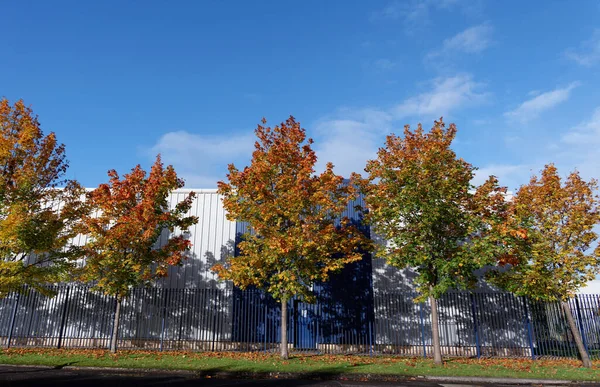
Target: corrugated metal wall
{"type": "Point", "coordinates": [213, 239]}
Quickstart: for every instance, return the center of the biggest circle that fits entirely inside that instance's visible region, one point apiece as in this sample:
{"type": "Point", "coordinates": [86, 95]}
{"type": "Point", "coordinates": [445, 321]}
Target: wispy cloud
{"type": "Point", "coordinates": [393, 10]}
{"type": "Point", "coordinates": [350, 137]}
{"type": "Point", "coordinates": [576, 149]}
{"type": "Point", "coordinates": [580, 147]}
{"type": "Point", "coordinates": [384, 64]}
{"type": "Point", "coordinates": [588, 53]}
{"type": "Point", "coordinates": [202, 160]}
{"type": "Point", "coordinates": [471, 41]}
{"type": "Point", "coordinates": [586, 133]}
{"type": "Point", "coordinates": [415, 14]}
{"type": "Point", "coordinates": [447, 94]}
{"type": "Point", "coordinates": [533, 107]}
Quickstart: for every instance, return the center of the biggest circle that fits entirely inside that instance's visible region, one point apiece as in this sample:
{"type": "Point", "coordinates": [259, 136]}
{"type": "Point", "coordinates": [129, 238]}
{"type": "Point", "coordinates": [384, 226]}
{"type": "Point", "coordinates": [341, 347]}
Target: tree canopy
{"type": "Point", "coordinates": [560, 217]}
{"type": "Point", "coordinates": [298, 236]}
{"type": "Point", "coordinates": [559, 256]}
{"type": "Point", "coordinates": [129, 215]}
{"type": "Point", "coordinates": [39, 208]}
{"type": "Point", "coordinates": [421, 200]}
{"type": "Point", "coordinates": [434, 221]}
{"type": "Point", "coordinates": [296, 239]}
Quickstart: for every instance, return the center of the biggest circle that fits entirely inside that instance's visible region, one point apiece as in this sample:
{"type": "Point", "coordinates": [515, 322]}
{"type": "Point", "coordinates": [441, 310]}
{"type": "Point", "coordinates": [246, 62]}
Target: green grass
{"type": "Point", "coordinates": [210, 363]}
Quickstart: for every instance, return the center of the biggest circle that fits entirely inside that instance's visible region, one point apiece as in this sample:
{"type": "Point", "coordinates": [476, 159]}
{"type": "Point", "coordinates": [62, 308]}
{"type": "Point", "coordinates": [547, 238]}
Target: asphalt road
{"type": "Point", "coordinates": [32, 376]}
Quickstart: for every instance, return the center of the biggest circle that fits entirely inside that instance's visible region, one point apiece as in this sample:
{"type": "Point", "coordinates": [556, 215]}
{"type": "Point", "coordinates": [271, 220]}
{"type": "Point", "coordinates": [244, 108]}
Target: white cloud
{"type": "Point", "coordinates": [588, 53]}
{"type": "Point", "coordinates": [350, 141]}
{"type": "Point", "coordinates": [533, 107]}
{"type": "Point", "coordinates": [580, 147]}
{"type": "Point", "coordinates": [471, 41]}
{"type": "Point", "coordinates": [200, 159]}
{"type": "Point", "coordinates": [447, 94]}
{"type": "Point", "coordinates": [350, 137]}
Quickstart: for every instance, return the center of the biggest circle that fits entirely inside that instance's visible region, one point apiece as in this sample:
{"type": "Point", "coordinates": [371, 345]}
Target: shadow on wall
{"type": "Point", "coordinates": [190, 309]}
{"type": "Point", "coordinates": [195, 271]}
{"type": "Point", "coordinates": [74, 317]}
{"type": "Point", "coordinates": [368, 306]}
{"type": "Point", "coordinates": [477, 323]}
{"type": "Point", "coordinates": [342, 314]}
{"type": "Point", "coordinates": [484, 324]}
{"type": "Point", "coordinates": [153, 317]}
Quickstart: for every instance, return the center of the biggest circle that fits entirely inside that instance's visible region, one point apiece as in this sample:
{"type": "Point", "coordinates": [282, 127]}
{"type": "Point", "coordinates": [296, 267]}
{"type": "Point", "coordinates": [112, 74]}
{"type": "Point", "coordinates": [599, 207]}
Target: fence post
{"type": "Point", "coordinates": [317, 326]}
{"type": "Point", "coordinates": [63, 319]}
{"type": "Point", "coordinates": [581, 327]}
{"type": "Point", "coordinates": [371, 320]}
{"type": "Point", "coordinates": [214, 325]}
{"type": "Point", "coordinates": [12, 319]}
{"type": "Point", "coordinates": [262, 297]}
{"type": "Point", "coordinates": [529, 329]}
{"type": "Point", "coordinates": [422, 330]}
{"type": "Point", "coordinates": [165, 293]}
{"type": "Point", "coordinates": [475, 327]}
{"type": "Point", "coordinates": [181, 299]}
{"type": "Point", "coordinates": [370, 338]}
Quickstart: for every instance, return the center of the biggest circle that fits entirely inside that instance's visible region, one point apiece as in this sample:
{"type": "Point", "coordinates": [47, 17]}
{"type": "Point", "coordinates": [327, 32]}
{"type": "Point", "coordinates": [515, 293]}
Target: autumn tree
{"type": "Point", "coordinates": [131, 213]}
{"type": "Point", "coordinates": [297, 236]}
{"type": "Point", "coordinates": [421, 201]}
{"type": "Point", "coordinates": [38, 206]}
{"type": "Point", "coordinates": [560, 258]}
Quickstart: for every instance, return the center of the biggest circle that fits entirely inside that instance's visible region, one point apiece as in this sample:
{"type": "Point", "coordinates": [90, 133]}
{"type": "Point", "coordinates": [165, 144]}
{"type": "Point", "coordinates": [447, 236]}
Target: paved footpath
{"type": "Point", "coordinates": [45, 376]}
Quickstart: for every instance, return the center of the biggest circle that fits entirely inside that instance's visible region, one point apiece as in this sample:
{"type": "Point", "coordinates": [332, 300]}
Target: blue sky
{"type": "Point", "coordinates": [120, 81]}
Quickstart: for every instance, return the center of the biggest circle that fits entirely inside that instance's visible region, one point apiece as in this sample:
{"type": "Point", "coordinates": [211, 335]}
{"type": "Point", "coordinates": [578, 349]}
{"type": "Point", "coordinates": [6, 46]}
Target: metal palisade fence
{"type": "Point", "coordinates": [471, 324]}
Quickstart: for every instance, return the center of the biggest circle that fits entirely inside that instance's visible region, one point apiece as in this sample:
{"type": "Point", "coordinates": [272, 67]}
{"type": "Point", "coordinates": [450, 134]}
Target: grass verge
{"type": "Point", "coordinates": [331, 365]}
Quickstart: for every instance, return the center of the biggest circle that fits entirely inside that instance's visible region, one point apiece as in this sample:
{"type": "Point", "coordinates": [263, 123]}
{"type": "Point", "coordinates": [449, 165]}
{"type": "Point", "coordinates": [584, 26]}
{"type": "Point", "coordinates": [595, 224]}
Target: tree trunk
{"type": "Point", "coordinates": [115, 330]}
{"type": "Point", "coordinates": [435, 331]}
{"type": "Point", "coordinates": [585, 358]}
{"type": "Point", "coordinates": [284, 339]}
